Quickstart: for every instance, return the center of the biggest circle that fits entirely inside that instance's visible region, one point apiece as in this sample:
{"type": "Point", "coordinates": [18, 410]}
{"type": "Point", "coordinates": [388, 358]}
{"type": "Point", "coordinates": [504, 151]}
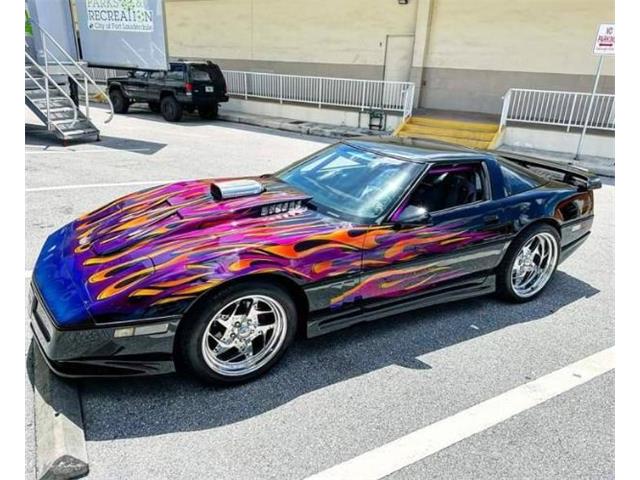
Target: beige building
{"type": "Point", "coordinates": [461, 54]}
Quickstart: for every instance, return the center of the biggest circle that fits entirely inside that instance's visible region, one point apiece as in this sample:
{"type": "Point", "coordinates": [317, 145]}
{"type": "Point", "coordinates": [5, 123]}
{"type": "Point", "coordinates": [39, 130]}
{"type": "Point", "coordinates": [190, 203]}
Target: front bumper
{"type": "Point", "coordinates": [99, 351]}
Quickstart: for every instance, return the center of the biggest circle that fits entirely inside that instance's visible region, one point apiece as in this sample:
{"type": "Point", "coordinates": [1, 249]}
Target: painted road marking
{"type": "Point", "coordinates": [103, 150]}
{"type": "Point", "coordinates": [404, 451]}
{"type": "Point", "coordinates": [99, 185]}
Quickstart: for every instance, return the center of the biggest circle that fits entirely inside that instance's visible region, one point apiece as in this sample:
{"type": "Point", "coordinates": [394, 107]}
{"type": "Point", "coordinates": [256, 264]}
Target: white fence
{"type": "Point", "coordinates": [564, 109]}
{"type": "Point", "coordinates": [318, 91]}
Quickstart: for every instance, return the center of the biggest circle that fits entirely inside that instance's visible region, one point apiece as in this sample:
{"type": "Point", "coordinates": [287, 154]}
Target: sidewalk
{"type": "Point", "coordinates": [298, 126]}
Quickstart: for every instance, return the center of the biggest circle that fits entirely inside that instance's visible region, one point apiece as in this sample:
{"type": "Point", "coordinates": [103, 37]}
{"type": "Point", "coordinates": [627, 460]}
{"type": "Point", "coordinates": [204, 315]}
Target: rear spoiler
{"type": "Point", "coordinates": [574, 175]}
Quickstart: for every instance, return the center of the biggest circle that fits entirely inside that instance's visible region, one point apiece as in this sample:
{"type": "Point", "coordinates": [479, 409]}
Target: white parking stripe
{"type": "Point", "coordinates": [98, 185]}
{"type": "Point", "coordinates": [404, 451]}
{"type": "Point", "coordinates": [27, 273]}
{"type": "Point", "coordinates": [67, 152]}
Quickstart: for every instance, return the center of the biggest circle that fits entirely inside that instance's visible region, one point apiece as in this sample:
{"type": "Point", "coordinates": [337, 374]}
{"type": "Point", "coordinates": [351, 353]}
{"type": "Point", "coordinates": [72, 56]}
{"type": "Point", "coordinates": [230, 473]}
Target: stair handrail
{"type": "Point", "coordinates": [86, 76]}
{"type": "Point", "coordinates": [46, 90]}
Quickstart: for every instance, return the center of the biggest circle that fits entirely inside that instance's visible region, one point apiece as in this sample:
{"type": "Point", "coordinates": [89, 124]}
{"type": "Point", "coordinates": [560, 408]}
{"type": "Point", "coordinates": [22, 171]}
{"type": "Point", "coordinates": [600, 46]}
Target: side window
{"type": "Point", "coordinates": [157, 75]}
{"type": "Point", "coordinates": [177, 72]}
{"type": "Point", "coordinates": [140, 75]}
{"type": "Point", "coordinates": [517, 179]}
{"type": "Point", "coordinates": [450, 185]}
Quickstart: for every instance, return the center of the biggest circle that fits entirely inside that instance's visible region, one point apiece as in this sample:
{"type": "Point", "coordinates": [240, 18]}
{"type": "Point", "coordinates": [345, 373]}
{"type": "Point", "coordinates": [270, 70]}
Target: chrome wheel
{"type": "Point", "coordinates": [534, 265]}
{"type": "Point", "coordinates": [244, 335]}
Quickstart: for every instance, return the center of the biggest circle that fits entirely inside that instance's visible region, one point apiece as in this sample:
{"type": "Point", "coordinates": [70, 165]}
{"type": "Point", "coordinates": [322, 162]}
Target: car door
{"type": "Point", "coordinates": [154, 85]}
{"type": "Point", "coordinates": [137, 85]}
{"type": "Point", "coordinates": [448, 231]}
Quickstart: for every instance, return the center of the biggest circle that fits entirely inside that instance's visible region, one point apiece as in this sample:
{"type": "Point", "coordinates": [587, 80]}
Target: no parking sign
{"type": "Point", "coordinates": [605, 40]}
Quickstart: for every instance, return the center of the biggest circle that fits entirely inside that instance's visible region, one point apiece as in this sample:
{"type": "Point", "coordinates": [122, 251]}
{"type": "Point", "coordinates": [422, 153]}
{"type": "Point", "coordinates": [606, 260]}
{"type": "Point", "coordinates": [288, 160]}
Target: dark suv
{"type": "Point", "coordinates": [186, 86]}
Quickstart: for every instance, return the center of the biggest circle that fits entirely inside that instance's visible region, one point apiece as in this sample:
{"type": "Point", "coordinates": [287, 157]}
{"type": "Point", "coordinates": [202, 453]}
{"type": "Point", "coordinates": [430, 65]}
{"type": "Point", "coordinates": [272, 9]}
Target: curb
{"type": "Point", "coordinates": [296, 126]}
{"type": "Point", "coordinates": [61, 452]}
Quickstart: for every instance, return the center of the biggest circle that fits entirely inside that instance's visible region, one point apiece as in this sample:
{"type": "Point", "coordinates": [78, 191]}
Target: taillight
{"type": "Point", "coordinates": [188, 87]}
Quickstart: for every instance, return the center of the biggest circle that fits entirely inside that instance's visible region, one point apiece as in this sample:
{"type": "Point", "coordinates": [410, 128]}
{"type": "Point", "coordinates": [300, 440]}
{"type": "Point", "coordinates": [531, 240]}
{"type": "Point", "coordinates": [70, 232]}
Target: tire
{"type": "Point", "coordinates": [171, 109]}
{"type": "Point", "coordinates": [516, 276]}
{"type": "Point", "coordinates": [208, 112]}
{"type": "Point", "coordinates": [195, 347]}
{"type": "Point", "coordinates": [154, 107]}
{"type": "Point", "coordinates": [120, 102]}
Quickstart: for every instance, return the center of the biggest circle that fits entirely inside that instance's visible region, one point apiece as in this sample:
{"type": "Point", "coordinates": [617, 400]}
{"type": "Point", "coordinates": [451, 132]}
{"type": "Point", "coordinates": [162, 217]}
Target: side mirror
{"type": "Point", "coordinates": [412, 215]}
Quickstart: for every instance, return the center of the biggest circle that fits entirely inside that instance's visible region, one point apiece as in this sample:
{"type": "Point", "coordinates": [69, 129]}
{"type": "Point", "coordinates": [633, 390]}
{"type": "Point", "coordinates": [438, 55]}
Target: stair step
{"type": "Point", "coordinates": [455, 124]}
{"type": "Point", "coordinates": [448, 132]}
{"type": "Point", "coordinates": [478, 144]}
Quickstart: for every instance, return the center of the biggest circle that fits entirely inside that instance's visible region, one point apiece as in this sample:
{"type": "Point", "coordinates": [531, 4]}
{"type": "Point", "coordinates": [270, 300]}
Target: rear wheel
{"type": "Point", "coordinates": [154, 107]}
{"type": "Point", "coordinates": [529, 264]}
{"type": "Point", "coordinates": [119, 101]}
{"type": "Point", "coordinates": [171, 109]}
{"type": "Point", "coordinates": [208, 112]}
{"type": "Point", "coordinates": [238, 334]}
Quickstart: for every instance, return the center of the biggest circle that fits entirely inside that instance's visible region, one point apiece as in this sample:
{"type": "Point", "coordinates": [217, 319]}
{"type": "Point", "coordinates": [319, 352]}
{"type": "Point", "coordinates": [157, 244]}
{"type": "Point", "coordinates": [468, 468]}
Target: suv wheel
{"type": "Point", "coordinates": [238, 334]}
{"type": "Point", "coordinates": [170, 108]}
{"type": "Point", "coordinates": [119, 101]}
{"type": "Point", "coordinates": [208, 112]}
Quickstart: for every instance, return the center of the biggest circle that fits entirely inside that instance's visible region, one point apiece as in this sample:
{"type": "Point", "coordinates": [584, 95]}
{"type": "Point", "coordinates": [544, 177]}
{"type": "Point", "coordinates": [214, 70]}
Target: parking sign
{"type": "Point", "coordinates": [605, 40]}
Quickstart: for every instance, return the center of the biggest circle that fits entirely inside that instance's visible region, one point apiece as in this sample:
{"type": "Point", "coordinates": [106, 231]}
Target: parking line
{"type": "Point", "coordinates": [27, 274]}
{"type": "Point", "coordinates": [98, 185]}
{"type": "Point", "coordinates": [66, 152]}
{"type": "Point", "coordinates": [404, 451]}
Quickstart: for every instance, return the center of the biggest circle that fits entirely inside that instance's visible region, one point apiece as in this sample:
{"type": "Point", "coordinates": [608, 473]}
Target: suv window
{"type": "Point", "coordinates": [157, 75]}
{"type": "Point", "coordinates": [140, 75]}
{"type": "Point", "coordinates": [199, 75]}
{"type": "Point", "coordinates": [450, 185]}
{"type": "Point", "coordinates": [518, 179]}
{"type": "Point", "coordinates": [177, 72]}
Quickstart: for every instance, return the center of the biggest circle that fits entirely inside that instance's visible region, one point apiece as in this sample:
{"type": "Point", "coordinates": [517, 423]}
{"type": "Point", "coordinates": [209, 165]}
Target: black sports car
{"type": "Point", "coordinates": [221, 273]}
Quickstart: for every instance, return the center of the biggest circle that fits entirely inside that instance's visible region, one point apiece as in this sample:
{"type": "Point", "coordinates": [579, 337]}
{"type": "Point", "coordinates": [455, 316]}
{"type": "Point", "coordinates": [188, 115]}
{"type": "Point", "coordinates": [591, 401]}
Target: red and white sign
{"type": "Point", "coordinates": [605, 40]}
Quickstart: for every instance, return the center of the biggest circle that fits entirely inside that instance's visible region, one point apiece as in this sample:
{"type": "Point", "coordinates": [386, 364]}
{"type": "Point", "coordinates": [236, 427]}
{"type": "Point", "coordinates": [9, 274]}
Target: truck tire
{"type": "Point", "coordinates": [119, 101]}
{"type": "Point", "coordinates": [171, 109]}
{"type": "Point", "coordinates": [208, 112]}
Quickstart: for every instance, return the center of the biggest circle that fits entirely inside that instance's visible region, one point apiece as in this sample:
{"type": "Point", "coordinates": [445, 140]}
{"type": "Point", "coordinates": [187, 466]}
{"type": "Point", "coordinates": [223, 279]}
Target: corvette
{"type": "Point", "coordinates": [217, 276]}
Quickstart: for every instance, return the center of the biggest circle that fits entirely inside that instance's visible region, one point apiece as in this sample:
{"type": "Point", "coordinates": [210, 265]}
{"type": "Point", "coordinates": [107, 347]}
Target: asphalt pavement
{"type": "Point", "coordinates": [338, 396]}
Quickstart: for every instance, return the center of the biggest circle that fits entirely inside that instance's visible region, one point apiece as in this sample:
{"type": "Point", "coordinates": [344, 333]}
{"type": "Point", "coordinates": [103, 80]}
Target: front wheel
{"type": "Point", "coordinates": [119, 101]}
{"type": "Point", "coordinates": [238, 334]}
{"type": "Point", "coordinates": [529, 264]}
{"type": "Point", "coordinates": [171, 109]}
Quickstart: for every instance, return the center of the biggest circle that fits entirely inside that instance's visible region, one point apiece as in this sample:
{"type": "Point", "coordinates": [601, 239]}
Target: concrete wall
{"type": "Point", "coordinates": [477, 50]}
{"type": "Point", "coordinates": [465, 53]}
{"type": "Point", "coordinates": [554, 140]}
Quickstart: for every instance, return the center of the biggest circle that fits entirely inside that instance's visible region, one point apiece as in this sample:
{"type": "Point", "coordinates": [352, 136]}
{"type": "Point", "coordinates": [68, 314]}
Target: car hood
{"type": "Point", "coordinates": [152, 215]}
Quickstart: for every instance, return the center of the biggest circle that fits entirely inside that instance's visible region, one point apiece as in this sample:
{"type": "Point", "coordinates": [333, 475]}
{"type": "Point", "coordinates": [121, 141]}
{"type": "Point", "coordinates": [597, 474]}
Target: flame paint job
{"type": "Point", "coordinates": [153, 252]}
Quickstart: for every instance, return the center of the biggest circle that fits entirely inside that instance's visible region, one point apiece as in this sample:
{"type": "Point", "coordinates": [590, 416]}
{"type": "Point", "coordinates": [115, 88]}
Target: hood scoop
{"type": "Point", "coordinates": [225, 189]}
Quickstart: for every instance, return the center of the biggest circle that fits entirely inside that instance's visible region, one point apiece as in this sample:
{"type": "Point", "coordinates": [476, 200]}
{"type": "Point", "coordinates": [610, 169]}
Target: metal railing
{"type": "Point", "coordinates": [563, 109]}
{"type": "Point", "coordinates": [322, 91]}
{"type": "Point", "coordinates": [318, 91]}
{"type": "Point", "coordinates": [83, 84]}
{"type": "Point", "coordinates": [46, 89]}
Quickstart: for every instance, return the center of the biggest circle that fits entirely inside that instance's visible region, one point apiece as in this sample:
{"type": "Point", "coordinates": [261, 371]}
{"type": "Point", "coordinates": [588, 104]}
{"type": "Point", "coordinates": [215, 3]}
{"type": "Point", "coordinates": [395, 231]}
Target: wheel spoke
{"type": "Point", "coordinates": [534, 264]}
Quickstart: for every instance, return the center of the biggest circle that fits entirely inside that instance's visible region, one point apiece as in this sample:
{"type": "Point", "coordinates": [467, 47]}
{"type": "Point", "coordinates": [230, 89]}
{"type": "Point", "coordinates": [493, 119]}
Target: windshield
{"type": "Point", "coordinates": [348, 182]}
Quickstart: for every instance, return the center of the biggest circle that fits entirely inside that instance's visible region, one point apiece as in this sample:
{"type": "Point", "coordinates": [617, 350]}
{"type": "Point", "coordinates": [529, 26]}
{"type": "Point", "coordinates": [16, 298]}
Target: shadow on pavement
{"type": "Point", "coordinates": [137, 407]}
{"type": "Point", "coordinates": [39, 136]}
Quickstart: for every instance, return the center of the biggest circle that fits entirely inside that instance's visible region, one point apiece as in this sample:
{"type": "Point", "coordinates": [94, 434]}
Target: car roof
{"type": "Point", "coordinates": [413, 149]}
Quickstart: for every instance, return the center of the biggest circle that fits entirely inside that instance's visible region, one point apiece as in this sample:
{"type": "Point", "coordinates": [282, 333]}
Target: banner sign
{"type": "Point", "coordinates": [129, 34]}
{"type": "Point", "coordinates": [605, 40]}
{"type": "Point", "coordinates": [119, 15]}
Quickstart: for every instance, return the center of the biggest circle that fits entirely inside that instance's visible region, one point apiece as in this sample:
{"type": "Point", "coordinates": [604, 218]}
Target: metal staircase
{"type": "Point", "coordinates": [45, 95]}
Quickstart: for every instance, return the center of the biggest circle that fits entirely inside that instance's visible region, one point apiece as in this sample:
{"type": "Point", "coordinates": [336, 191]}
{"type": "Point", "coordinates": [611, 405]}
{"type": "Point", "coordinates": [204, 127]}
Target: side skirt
{"type": "Point", "coordinates": [320, 325]}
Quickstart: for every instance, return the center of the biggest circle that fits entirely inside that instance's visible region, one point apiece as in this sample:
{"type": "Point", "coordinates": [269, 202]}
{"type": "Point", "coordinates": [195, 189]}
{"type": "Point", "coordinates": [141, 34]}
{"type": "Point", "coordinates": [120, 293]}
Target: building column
{"type": "Point", "coordinates": [420, 45]}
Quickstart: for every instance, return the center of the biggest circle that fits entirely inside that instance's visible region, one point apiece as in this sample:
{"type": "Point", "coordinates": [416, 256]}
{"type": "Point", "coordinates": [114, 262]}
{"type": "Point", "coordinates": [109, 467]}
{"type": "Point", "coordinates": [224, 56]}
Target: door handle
{"type": "Point", "coordinates": [491, 219]}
